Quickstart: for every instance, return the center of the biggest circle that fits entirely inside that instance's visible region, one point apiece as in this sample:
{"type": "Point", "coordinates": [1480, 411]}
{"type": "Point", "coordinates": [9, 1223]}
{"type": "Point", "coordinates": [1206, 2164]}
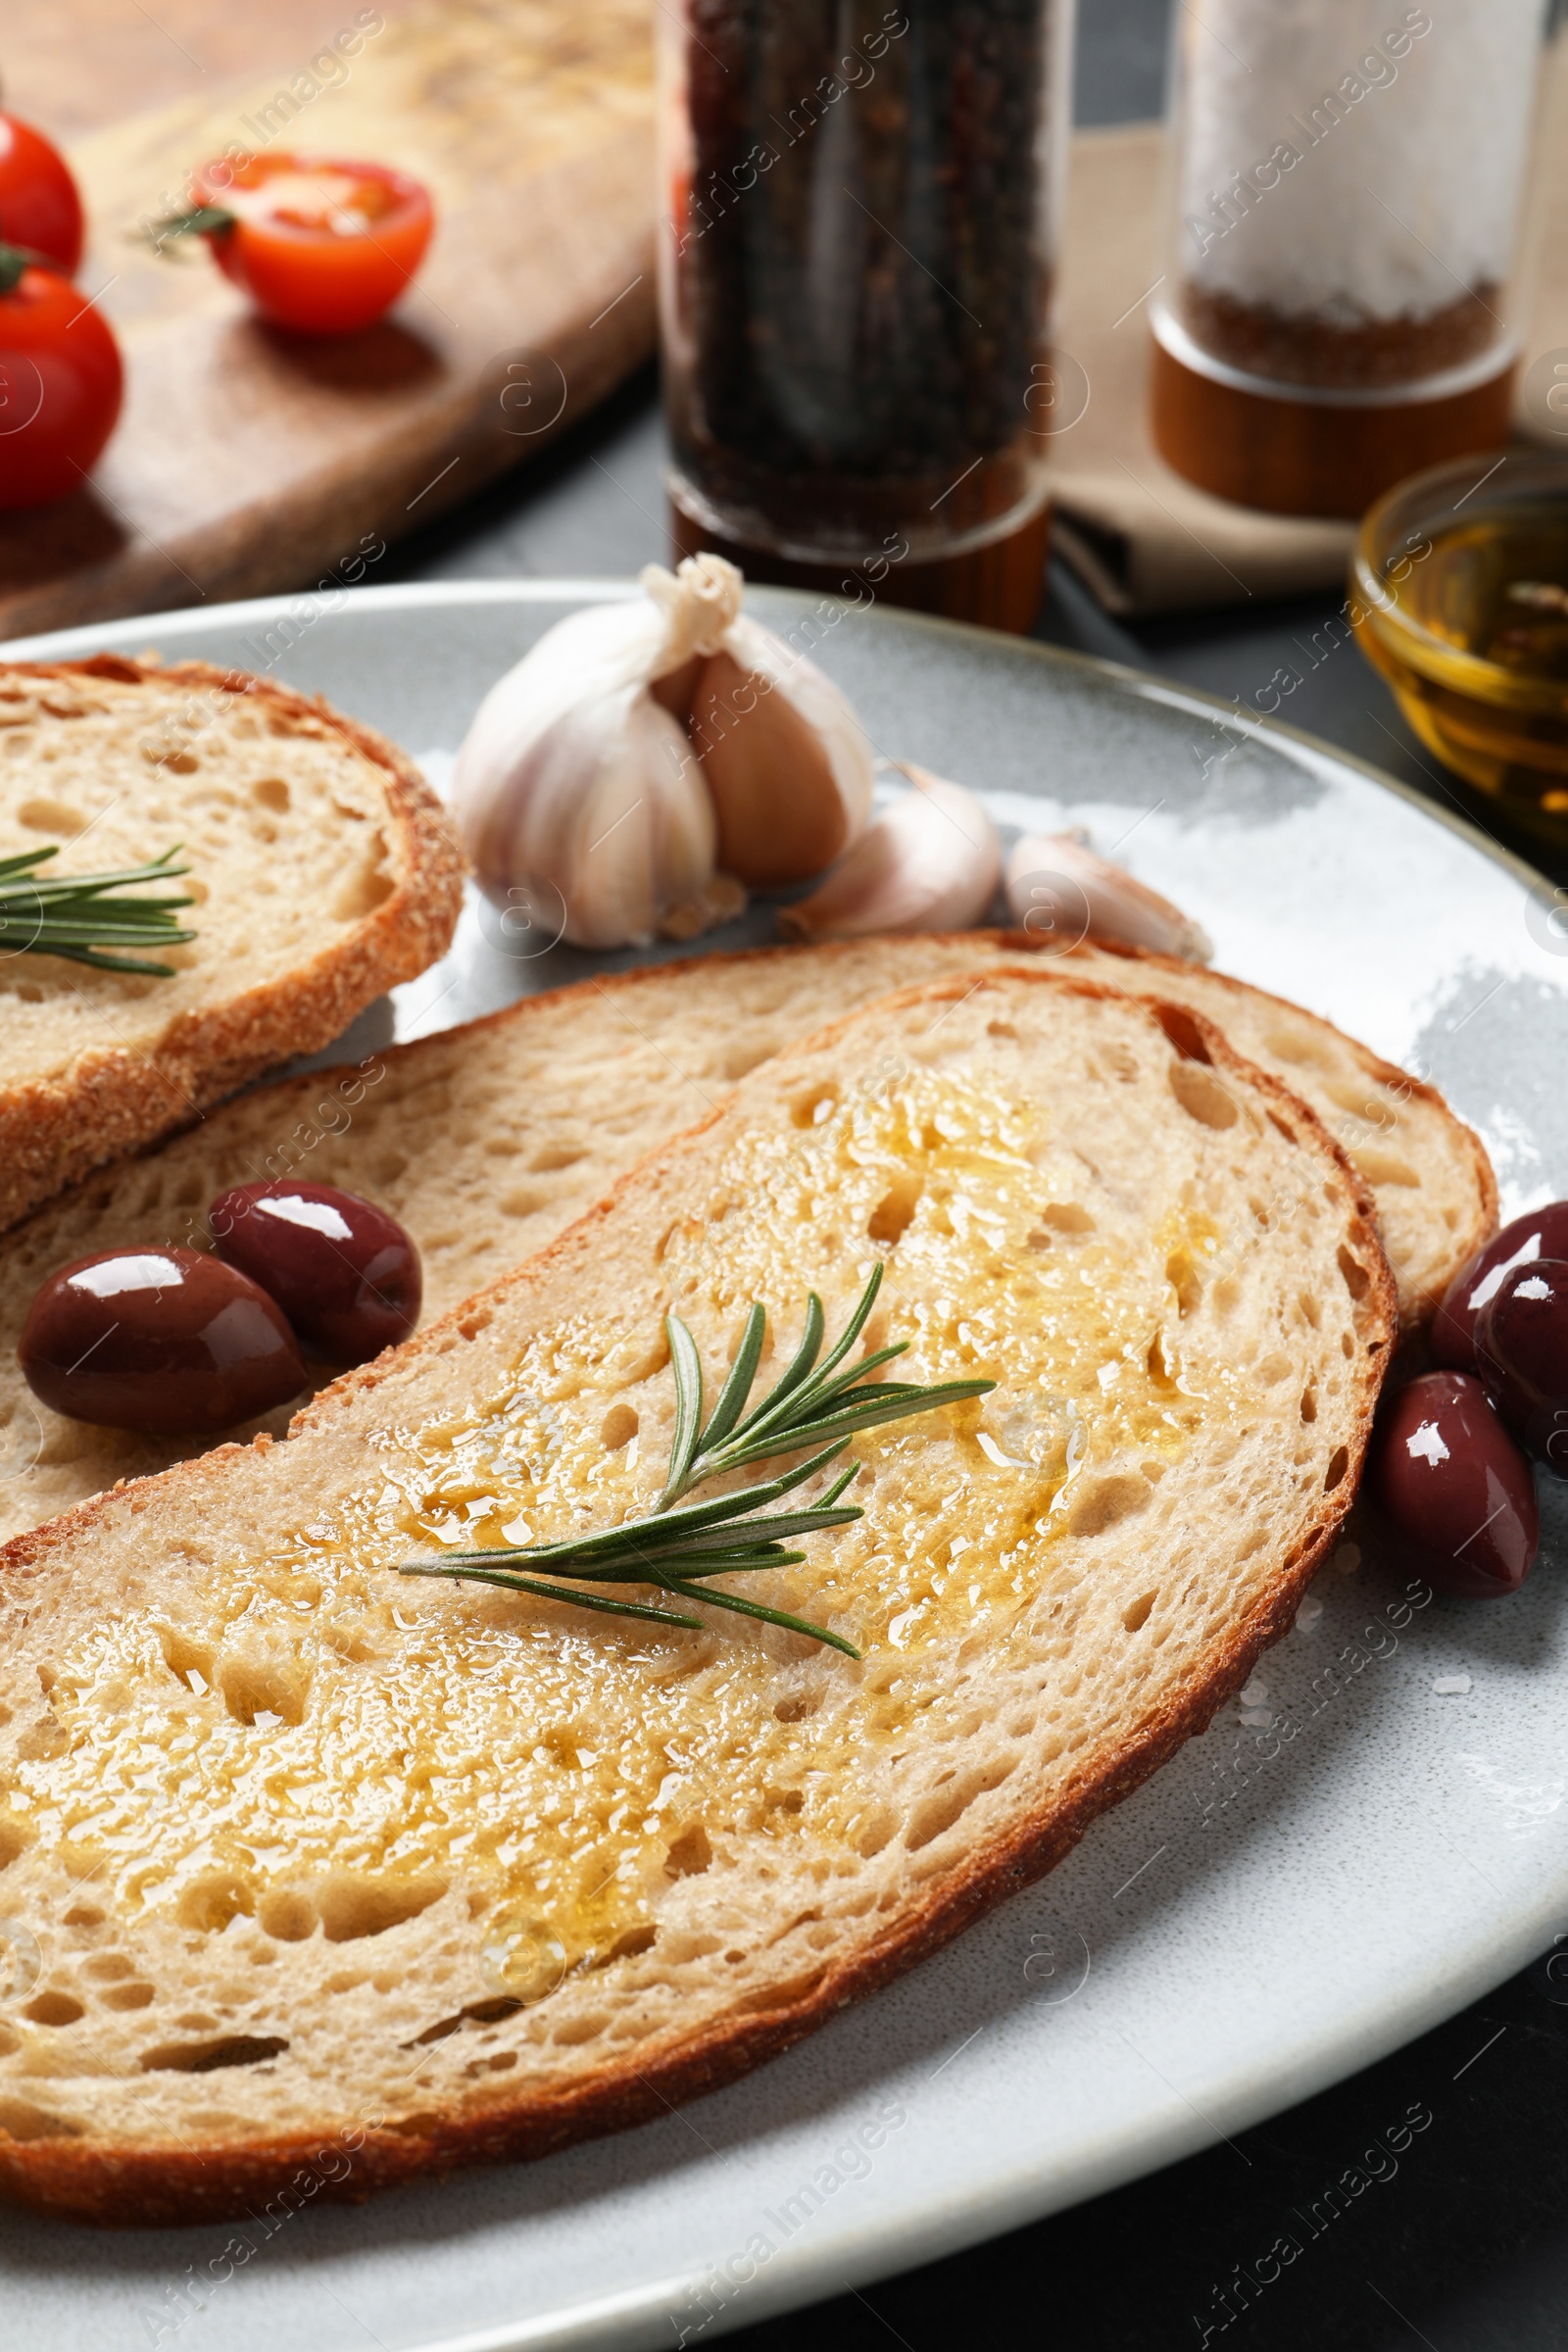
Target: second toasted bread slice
{"type": "Point", "coordinates": [323, 870]}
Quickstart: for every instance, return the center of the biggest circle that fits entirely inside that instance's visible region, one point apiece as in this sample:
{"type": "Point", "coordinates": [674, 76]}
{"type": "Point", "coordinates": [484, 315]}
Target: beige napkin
{"type": "Point", "coordinates": [1142, 538]}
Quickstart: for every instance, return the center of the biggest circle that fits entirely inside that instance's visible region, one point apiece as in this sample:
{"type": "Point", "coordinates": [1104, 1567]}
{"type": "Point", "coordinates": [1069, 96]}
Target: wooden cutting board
{"type": "Point", "coordinates": [247, 461]}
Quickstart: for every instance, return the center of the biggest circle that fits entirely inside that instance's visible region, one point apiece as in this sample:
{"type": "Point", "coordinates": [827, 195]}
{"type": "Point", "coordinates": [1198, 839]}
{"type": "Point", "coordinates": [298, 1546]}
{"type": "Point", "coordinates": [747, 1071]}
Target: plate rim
{"type": "Point", "coordinates": [948, 2217]}
{"type": "Point", "coordinates": [612, 588]}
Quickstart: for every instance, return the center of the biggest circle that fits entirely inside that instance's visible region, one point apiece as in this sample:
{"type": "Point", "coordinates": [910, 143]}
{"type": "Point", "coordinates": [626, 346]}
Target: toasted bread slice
{"type": "Point", "coordinates": [323, 868]}
{"type": "Point", "coordinates": [321, 1857]}
{"type": "Point", "coordinates": [487, 1139]}
{"type": "Point", "coordinates": [1435, 1193]}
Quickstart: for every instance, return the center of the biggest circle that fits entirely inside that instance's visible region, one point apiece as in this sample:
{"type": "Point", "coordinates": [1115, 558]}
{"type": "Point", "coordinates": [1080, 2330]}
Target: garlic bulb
{"type": "Point", "coordinates": [641, 743]}
{"type": "Point", "coordinates": [1061, 892]}
{"type": "Point", "coordinates": [930, 863]}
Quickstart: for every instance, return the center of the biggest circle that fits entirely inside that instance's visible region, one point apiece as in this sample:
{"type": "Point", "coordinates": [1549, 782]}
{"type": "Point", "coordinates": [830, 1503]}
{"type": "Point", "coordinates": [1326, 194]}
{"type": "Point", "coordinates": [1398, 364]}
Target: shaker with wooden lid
{"type": "Point", "coordinates": [1343, 212]}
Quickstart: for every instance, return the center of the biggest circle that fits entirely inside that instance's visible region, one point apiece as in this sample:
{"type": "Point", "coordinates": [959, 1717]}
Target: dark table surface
{"type": "Point", "coordinates": [1465, 2247]}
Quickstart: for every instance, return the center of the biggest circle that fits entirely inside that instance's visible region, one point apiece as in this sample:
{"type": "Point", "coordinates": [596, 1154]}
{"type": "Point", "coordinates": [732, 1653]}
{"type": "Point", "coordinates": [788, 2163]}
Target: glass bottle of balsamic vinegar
{"type": "Point", "coordinates": [857, 262]}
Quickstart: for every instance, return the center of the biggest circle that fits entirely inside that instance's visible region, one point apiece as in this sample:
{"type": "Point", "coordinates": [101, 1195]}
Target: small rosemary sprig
{"type": "Point", "coordinates": [810, 1405]}
{"type": "Point", "coordinates": [73, 915]}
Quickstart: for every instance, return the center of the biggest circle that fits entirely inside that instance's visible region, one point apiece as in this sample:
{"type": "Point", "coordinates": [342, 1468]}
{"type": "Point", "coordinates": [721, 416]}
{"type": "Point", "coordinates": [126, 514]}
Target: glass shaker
{"type": "Point", "coordinates": [1343, 214]}
{"type": "Point", "coordinates": [861, 206]}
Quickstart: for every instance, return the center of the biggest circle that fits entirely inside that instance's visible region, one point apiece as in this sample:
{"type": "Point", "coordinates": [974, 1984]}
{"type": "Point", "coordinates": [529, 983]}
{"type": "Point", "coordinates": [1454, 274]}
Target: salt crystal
{"type": "Point", "coordinates": [1450, 1686]}
{"type": "Point", "coordinates": [1257, 1719]}
{"type": "Point", "coordinates": [1307, 1615]}
{"type": "Point", "coordinates": [1255, 1692]}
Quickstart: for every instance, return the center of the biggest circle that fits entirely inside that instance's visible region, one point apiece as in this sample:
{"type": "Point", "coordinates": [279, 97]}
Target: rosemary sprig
{"type": "Point", "coordinates": [75, 916]}
{"type": "Point", "coordinates": [811, 1407]}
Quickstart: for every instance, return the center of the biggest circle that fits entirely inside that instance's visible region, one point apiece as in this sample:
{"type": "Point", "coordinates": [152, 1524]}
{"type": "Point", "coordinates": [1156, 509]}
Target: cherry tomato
{"type": "Point", "coordinates": [59, 384]}
{"type": "Point", "coordinates": [344, 1272]}
{"type": "Point", "coordinates": [319, 246]}
{"type": "Point", "coordinates": [39, 207]}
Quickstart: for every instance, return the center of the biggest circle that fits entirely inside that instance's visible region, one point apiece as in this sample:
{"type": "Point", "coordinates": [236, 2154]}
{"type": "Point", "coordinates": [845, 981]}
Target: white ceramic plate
{"type": "Point", "coordinates": [1297, 1894]}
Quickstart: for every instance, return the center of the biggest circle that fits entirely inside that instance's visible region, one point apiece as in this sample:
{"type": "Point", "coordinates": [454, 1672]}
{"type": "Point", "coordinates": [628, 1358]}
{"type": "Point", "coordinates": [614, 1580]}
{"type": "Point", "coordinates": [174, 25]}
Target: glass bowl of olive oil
{"type": "Point", "coordinates": [1459, 595]}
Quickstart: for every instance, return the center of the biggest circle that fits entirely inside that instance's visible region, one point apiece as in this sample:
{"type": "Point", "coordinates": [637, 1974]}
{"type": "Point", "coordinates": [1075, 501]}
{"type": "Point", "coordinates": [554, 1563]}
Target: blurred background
{"type": "Point", "coordinates": [505, 418]}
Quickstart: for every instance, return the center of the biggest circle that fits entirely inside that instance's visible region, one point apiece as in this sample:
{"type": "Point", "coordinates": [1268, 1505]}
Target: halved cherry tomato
{"type": "Point", "coordinates": [60, 383]}
{"type": "Point", "coordinates": [39, 207]}
{"type": "Point", "coordinates": [319, 246]}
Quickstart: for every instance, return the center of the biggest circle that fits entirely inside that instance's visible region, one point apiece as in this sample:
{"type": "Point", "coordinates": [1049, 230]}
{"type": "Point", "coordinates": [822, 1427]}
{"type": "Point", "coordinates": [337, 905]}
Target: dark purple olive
{"type": "Point", "coordinates": [1542, 1233]}
{"type": "Point", "coordinates": [1522, 1353]}
{"type": "Point", "coordinates": [345, 1273]}
{"type": "Point", "coordinates": [1454, 1487]}
{"type": "Point", "coordinates": [167, 1340]}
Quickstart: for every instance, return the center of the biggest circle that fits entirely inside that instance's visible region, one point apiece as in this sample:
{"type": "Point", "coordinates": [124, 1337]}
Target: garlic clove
{"type": "Point", "coordinates": [607, 807]}
{"type": "Point", "coordinates": [673, 689]}
{"type": "Point", "coordinates": [788, 763]}
{"type": "Point", "coordinates": [1059, 891]}
{"type": "Point", "coordinates": [643, 836]}
{"type": "Point", "coordinates": [573, 778]}
{"type": "Point", "coordinates": [604, 650]}
{"type": "Point", "coordinates": [931, 863]}
{"type": "Point", "coordinates": [781, 815]}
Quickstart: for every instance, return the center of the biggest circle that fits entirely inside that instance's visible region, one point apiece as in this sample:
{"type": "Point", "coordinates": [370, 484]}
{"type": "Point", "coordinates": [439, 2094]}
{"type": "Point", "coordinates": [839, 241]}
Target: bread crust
{"type": "Point", "coordinates": [156, 2186]}
{"type": "Point", "coordinates": [114, 1101]}
{"type": "Point", "coordinates": [1483, 1221]}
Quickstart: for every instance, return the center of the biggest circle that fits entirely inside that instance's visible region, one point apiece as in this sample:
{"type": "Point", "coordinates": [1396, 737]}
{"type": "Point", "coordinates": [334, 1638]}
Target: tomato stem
{"type": "Point", "coordinates": [203, 220]}
{"type": "Point", "coordinates": [14, 259]}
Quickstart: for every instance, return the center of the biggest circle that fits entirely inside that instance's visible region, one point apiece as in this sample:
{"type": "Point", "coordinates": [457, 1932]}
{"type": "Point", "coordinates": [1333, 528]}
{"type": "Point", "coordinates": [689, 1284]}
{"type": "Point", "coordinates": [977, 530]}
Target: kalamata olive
{"type": "Point", "coordinates": [167, 1340]}
{"type": "Point", "coordinates": [1454, 1487]}
{"type": "Point", "coordinates": [1542, 1233]}
{"type": "Point", "coordinates": [1522, 1354]}
{"type": "Point", "coordinates": [345, 1273]}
